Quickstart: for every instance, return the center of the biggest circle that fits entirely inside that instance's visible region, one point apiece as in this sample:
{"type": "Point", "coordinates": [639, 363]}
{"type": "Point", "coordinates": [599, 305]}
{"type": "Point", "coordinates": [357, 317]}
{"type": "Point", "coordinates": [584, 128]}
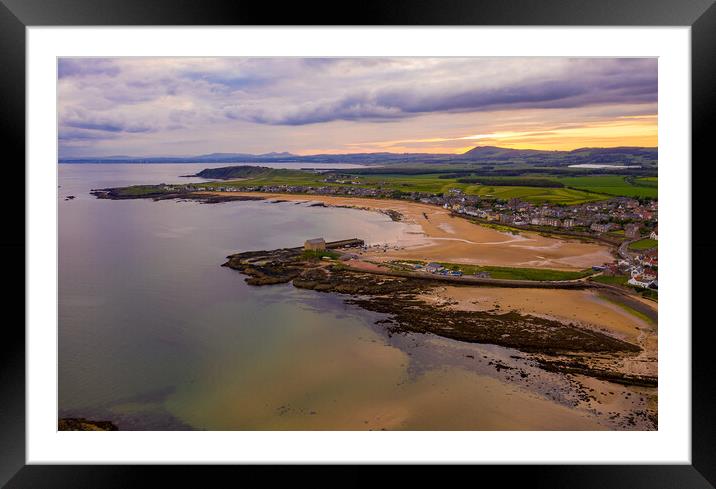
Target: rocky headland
{"type": "Point", "coordinates": [555, 346]}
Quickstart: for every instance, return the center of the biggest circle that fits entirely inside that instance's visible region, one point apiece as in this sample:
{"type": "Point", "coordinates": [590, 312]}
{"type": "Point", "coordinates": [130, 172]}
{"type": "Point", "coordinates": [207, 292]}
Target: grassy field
{"type": "Point", "coordinates": [136, 190]}
{"type": "Point", "coordinates": [564, 196]}
{"type": "Point", "coordinates": [611, 279]}
{"type": "Point", "coordinates": [426, 183]}
{"type": "Point", "coordinates": [510, 273]}
{"type": "Point", "coordinates": [500, 227]}
{"type": "Point", "coordinates": [577, 190]}
{"type": "Point", "coordinates": [277, 177]}
{"type": "Point", "coordinates": [431, 183]}
{"type": "Point", "coordinates": [644, 244]}
{"type": "Point", "coordinates": [627, 308]}
{"type": "Point", "coordinates": [318, 254]}
{"type": "Point", "coordinates": [616, 185]}
{"type": "Point", "coordinates": [647, 182]}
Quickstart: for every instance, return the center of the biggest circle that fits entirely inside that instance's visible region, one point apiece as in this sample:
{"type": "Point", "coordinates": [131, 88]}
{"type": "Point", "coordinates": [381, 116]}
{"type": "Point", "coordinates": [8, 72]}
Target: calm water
{"type": "Point", "coordinates": [154, 334]}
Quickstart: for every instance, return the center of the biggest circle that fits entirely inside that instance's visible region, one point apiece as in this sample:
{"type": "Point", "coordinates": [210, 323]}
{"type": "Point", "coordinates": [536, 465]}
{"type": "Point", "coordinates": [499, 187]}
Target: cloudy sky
{"type": "Point", "coordinates": [188, 106]}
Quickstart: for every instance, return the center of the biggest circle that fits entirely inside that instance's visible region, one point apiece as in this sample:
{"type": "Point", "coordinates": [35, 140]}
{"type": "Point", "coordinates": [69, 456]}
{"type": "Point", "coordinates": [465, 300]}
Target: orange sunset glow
{"type": "Point", "coordinates": [159, 107]}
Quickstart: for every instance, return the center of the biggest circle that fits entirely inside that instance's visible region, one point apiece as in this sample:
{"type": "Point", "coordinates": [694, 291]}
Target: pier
{"type": "Point", "coordinates": [343, 243]}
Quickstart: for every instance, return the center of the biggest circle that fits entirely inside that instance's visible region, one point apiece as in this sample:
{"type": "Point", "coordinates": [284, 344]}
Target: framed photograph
{"type": "Point", "coordinates": [431, 237]}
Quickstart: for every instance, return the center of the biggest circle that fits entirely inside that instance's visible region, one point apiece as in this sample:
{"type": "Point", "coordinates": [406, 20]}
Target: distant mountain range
{"type": "Point", "coordinates": [646, 157]}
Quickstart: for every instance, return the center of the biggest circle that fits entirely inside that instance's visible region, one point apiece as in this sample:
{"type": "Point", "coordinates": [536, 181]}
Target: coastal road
{"type": "Point", "coordinates": [623, 249]}
{"type": "Point", "coordinates": [534, 284]}
{"type": "Point", "coordinates": [632, 300]}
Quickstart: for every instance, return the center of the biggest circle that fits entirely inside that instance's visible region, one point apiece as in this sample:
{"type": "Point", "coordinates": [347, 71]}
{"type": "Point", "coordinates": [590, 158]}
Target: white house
{"type": "Point", "coordinates": [640, 281]}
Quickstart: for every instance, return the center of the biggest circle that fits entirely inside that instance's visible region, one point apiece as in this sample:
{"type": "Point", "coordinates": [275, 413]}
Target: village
{"type": "Point", "coordinates": [618, 215]}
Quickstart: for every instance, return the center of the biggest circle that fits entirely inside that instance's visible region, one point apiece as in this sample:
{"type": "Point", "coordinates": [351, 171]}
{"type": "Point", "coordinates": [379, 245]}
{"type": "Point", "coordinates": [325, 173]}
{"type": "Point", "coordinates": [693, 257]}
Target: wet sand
{"type": "Point", "coordinates": [439, 236]}
{"type": "Point", "coordinates": [583, 307]}
{"type": "Point", "coordinates": [368, 385]}
{"type": "Point", "coordinates": [443, 237]}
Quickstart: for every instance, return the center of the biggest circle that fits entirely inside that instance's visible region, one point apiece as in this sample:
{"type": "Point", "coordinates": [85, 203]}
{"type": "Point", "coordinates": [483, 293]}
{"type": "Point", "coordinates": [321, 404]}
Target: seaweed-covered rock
{"type": "Point", "coordinates": [83, 424]}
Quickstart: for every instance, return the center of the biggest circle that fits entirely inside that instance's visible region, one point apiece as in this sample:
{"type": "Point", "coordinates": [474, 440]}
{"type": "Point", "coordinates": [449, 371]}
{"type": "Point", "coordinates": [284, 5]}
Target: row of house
{"type": "Point", "coordinates": [597, 217]}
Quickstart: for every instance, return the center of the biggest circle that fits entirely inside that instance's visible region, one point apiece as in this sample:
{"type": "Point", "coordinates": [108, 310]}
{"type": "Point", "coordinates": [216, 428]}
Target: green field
{"type": "Point", "coordinates": [564, 196]}
{"type": "Point", "coordinates": [510, 273]}
{"type": "Point", "coordinates": [318, 254]}
{"type": "Point", "coordinates": [277, 177]}
{"type": "Point", "coordinates": [616, 185]}
{"type": "Point", "coordinates": [500, 227]}
{"type": "Point", "coordinates": [647, 182]}
{"type": "Point", "coordinates": [627, 308]}
{"type": "Point", "coordinates": [425, 183]}
{"type": "Point", "coordinates": [431, 183]}
{"type": "Point", "coordinates": [611, 279]}
{"type": "Point", "coordinates": [644, 244]}
{"type": "Point", "coordinates": [138, 190]}
{"type": "Point", "coordinates": [576, 190]}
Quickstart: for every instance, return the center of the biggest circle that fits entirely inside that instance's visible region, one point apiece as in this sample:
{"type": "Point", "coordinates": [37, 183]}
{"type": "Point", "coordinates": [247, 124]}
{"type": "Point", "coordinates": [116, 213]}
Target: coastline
{"type": "Point", "coordinates": [413, 306]}
{"type": "Point", "coordinates": [605, 364]}
{"type": "Point", "coordinates": [445, 237]}
{"type": "Point", "coordinates": [594, 355]}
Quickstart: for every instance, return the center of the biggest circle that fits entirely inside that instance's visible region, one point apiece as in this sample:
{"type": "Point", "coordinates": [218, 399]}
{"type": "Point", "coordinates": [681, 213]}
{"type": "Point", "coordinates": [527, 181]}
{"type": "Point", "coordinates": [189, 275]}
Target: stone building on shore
{"type": "Point", "coordinates": [316, 244]}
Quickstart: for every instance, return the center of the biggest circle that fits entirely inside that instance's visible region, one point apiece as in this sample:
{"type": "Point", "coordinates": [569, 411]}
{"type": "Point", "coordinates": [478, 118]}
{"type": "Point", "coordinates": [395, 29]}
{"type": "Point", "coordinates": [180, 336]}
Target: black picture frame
{"type": "Point", "coordinates": [16, 15]}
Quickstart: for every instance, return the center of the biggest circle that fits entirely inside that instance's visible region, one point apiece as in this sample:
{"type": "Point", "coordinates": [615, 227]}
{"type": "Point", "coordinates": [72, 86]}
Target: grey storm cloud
{"type": "Point", "coordinates": [68, 135]}
{"type": "Point", "coordinates": [79, 67]}
{"type": "Point", "coordinates": [395, 103]}
{"type": "Point", "coordinates": [126, 96]}
{"type": "Point", "coordinates": [107, 126]}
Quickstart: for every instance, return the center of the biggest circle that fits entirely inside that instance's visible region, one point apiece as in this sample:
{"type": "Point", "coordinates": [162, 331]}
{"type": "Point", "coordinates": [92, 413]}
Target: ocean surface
{"type": "Point", "coordinates": [155, 335]}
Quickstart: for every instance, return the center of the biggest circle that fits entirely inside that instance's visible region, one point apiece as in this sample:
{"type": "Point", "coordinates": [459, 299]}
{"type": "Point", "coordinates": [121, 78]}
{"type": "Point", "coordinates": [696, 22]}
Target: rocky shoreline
{"type": "Point", "coordinates": [157, 193]}
{"type": "Point", "coordinates": [83, 424]}
{"type": "Point", "coordinates": [594, 362]}
{"type": "Point", "coordinates": [120, 194]}
{"type": "Point", "coordinates": [555, 346]}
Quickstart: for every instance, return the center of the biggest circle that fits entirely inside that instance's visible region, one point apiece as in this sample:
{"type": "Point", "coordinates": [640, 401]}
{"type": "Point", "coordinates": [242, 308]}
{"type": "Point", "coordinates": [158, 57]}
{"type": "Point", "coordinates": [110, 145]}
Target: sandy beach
{"type": "Point", "coordinates": [443, 237]}
{"type": "Point", "coordinates": [588, 309]}
{"type": "Point", "coordinates": [436, 235]}
{"type": "Point", "coordinates": [583, 307]}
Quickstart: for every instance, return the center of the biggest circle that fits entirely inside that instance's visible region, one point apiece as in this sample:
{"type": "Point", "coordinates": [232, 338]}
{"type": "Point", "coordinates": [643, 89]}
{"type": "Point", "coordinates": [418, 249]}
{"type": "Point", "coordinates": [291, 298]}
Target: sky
{"type": "Point", "coordinates": [190, 106]}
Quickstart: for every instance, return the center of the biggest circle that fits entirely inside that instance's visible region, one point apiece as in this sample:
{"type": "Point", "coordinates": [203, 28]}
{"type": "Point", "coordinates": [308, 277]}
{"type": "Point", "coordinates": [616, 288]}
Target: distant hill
{"type": "Point", "coordinates": [497, 152]}
{"type": "Point", "coordinates": [492, 155]}
{"type": "Point", "coordinates": [227, 172]}
{"type": "Point", "coordinates": [624, 155]}
{"type": "Point", "coordinates": [206, 158]}
{"type": "Point", "coordinates": [242, 171]}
